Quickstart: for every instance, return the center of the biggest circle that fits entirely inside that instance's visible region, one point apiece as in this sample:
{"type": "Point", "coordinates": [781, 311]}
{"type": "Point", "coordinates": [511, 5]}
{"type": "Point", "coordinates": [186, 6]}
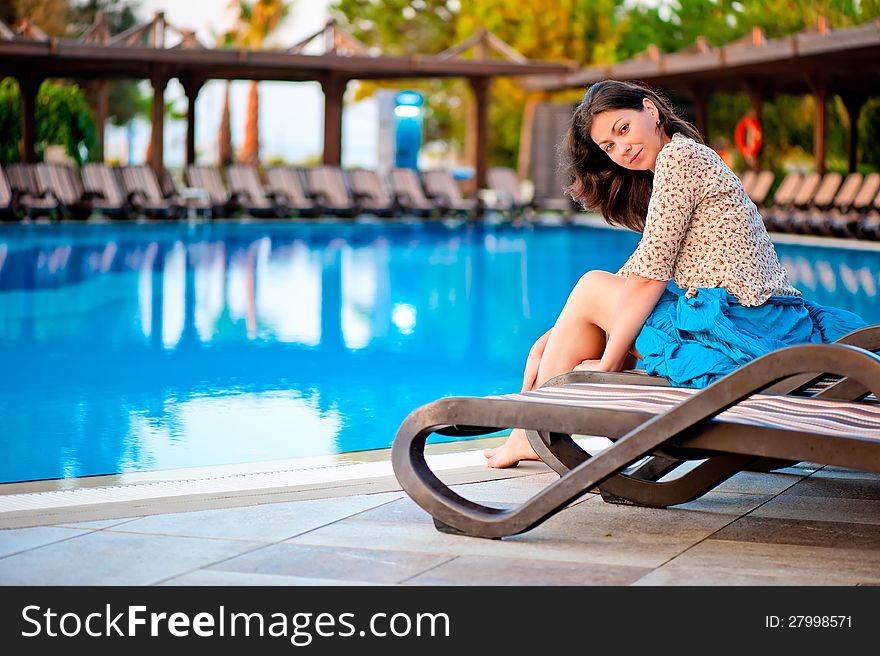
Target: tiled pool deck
{"type": "Point", "coordinates": [806, 525]}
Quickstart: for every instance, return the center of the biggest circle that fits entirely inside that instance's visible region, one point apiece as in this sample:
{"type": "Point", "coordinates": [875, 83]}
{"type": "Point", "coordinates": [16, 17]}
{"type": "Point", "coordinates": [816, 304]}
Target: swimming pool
{"type": "Point", "coordinates": [146, 347]}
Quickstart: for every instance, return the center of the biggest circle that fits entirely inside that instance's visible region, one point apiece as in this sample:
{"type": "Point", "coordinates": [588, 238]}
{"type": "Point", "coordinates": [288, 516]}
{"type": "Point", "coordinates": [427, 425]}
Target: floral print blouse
{"type": "Point", "coordinates": [702, 229]}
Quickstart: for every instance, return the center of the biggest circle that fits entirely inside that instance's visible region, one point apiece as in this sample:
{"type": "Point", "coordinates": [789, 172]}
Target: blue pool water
{"type": "Point", "coordinates": [145, 347]}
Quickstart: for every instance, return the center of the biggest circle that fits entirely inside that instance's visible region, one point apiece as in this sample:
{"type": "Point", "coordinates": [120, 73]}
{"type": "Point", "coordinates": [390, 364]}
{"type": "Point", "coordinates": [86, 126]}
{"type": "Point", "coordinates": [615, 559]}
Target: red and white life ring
{"type": "Point", "coordinates": [748, 136]}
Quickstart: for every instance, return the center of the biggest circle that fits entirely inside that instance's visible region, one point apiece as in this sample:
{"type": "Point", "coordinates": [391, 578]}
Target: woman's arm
{"type": "Point", "coordinates": [639, 297]}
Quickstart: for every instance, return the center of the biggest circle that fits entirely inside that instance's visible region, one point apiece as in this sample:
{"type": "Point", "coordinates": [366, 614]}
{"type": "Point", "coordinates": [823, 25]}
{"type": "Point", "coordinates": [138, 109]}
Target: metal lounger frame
{"type": "Point", "coordinates": [688, 430]}
{"type": "Point", "coordinates": [561, 453]}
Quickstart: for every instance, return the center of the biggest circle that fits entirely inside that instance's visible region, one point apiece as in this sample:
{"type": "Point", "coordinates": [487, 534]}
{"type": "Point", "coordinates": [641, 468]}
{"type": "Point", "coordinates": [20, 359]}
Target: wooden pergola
{"type": "Point", "coordinates": [820, 61]}
{"type": "Point", "coordinates": [158, 51]}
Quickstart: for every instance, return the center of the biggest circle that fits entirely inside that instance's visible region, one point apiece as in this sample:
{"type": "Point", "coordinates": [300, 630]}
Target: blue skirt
{"type": "Point", "coordinates": [692, 342]}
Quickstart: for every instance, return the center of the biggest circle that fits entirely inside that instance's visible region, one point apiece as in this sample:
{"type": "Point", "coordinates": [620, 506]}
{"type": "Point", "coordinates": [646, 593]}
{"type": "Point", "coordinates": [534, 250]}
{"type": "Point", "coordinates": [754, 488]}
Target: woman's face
{"type": "Point", "coordinates": [630, 137]}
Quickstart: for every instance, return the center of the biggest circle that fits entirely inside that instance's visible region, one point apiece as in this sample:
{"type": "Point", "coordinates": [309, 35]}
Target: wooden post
{"type": "Point", "coordinates": [853, 103]}
{"type": "Point", "coordinates": [157, 159]}
{"type": "Point", "coordinates": [334, 91]}
{"type": "Point", "coordinates": [102, 102]}
{"type": "Point", "coordinates": [702, 96]}
{"type": "Point", "coordinates": [479, 123]}
{"type": "Point", "coordinates": [191, 87]}
{"type": "Point", "coordinates": [28, 86]}
{"type": "Point", "coordinates": [525, 134]}
{"type": "Point", "coordinates": [820, 126]}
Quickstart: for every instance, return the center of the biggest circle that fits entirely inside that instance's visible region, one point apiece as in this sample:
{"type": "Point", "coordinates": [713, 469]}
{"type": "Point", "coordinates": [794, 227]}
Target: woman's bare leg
{"type": "Point", "coordinates": [579, 334]}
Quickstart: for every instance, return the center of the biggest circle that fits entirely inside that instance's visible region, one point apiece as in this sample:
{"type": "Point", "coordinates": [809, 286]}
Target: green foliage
{"type": "Point", "coordinates": [10, 121]}
{"type": "Point", "coordinates": [869, 134]}
{"type": "Point", "coordinates": [595, 32]}
{"type": "Point", "coordinates": [399, 27]}
{"type": "Point", "coordinates": [63, 118]}
{"type": "Point", "coordinates": [50, 15]}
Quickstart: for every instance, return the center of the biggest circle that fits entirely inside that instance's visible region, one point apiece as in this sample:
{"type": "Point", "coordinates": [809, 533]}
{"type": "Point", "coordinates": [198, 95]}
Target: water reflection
{"type": "Point", "coordinates": [152, 347]}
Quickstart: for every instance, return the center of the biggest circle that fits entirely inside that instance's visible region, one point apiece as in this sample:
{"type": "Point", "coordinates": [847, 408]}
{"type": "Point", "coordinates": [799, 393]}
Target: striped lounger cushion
{"type": "Point", "coordinates": [829, 417]}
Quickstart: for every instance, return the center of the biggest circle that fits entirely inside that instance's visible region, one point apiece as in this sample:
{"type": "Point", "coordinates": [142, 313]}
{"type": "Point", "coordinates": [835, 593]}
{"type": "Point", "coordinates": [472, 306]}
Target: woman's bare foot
{"type": "Point", "coordinates": [509, 454]}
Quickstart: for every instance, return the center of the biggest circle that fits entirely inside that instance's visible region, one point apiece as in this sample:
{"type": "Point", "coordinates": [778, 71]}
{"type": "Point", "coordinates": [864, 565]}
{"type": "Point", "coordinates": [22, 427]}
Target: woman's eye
{"type": "Point", "coordinates": [624, 128]}
{"type": "Point", "coordinates": [608, 148]}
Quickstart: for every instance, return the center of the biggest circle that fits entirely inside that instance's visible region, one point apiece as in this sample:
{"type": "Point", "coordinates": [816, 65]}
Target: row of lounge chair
{"type": "Point", "coordinates": [829, 205]}
{"type": "Point", "coordinates": [58, 190]}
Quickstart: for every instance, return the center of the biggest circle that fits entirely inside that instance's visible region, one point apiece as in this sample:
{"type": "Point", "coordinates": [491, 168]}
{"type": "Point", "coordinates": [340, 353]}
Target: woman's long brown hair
{"type": "Point", "coordinates": [619, 194]}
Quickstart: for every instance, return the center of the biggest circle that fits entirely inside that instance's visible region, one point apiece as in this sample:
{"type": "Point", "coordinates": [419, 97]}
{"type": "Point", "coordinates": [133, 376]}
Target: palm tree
{"type": "Point", "coordinates": [256, 21]}
{"type": "Point", "coordinates": [224, 133]}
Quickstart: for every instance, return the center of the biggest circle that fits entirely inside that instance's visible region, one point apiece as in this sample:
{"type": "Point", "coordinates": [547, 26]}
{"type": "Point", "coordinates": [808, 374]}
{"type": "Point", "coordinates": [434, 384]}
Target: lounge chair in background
{"type": "Point", "coordinates": [505, 191]}
{"type": "Point", "coordinates": [152, 199]}
{"type": "Point", "coordinates": [759, 190]}
{"type": "Point", "coordinates": [371, 194]}
{"type": "Point", "coordinates": [409, 193]}
{"type": "Point", "coordinates": [733, 423]}
{"type": "Point", "coordinates": [444, 192]}
{"type": "Point", "coordinates": [8, 202]}
{"type": "Point", "coordinates": [63, 184]}
{"type": "Point", "coordinates": [821, 220]}
{"type": "Point", "coordinates": [863, 219]}
{"type": "Point", "coordinates": [327, 185]}
{"type": "Point", "coordinates": [554, 208]}
{"type": "Point", "coordinates": [286, 183]}
{"type": "Point", "coordinates": [802, 201]}
{"type": "Point", "coordinates": [208, 178]}
{"type": "Point", "coordinates": [747, 178]}
{"type": "Point", "coordinates": [782, 202]}
{"type": "Point", "coordinates": [802, 219]}
{"type": "Point", "coordinates": [31, 195]}
{"type": "Point", "coordinates": [255, 199]}
{"type": "Point", "coordinates": [105, 185]}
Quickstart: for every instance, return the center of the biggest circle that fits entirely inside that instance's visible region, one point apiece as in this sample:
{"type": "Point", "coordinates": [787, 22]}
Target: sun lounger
{"type": "Point", "coordinates": [327, 185]}
{"type": "Point", "coordinates": [257, 200]}
{"type": "Point", "coordinates": [223, 204]}
{"type": "Point", "coordinates": [561, 453]}
{"type": "Point", "coordinates": [8, 203]}
{"type": "Point", "coordinates": [444, 192]}
{"type": "Point", "coordinates": [504, 186]}
{"type": "Point", "coordinates": [747, 178]}
{"type": "Point", "coordinates": [105, 183]}
{"type": "Point", "coordinates": [409, 194]}
{"type": "Point", "coordinates": [154, 201]}
{"type": "Point", "coordinates": [863, 218]}
{"type": "Point", "coordinates": [759, 190]}
{"type": "Point", "coordinates": [802, 202]}
{"type": "Point", "coordinates": [807, 219]}
{"type": "Point", "coordinates": [371, 194]}
{"type": "Point", "coordinates": [286, 183]}
{"type": "Point", "coordinates": [73, 201]}
{"type": "Point", "coordinates": [31, 195]}
{"type": "Point", "coordinates": [821, 220]}
{"type": "Point", "coordinates": [783, 201]}
{"type": "Point", "coordinates": [733, 423]}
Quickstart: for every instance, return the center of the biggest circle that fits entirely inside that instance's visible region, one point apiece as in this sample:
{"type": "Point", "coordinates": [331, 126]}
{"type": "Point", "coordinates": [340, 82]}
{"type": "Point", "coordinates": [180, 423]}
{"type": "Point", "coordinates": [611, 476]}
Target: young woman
{"type": "Point", "coordinates": [644, 168]}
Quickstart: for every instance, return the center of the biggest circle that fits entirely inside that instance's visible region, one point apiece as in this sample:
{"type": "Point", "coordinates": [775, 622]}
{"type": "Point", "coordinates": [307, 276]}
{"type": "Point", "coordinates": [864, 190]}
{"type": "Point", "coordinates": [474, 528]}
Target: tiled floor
{"type": "Point", "coordinates": [801, 526]}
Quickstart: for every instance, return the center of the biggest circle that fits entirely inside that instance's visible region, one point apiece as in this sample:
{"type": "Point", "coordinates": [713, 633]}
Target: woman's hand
{"type": "Point", "coordinates": [591, 365]}
{"type": "Point", "coordinates": [638, 299]}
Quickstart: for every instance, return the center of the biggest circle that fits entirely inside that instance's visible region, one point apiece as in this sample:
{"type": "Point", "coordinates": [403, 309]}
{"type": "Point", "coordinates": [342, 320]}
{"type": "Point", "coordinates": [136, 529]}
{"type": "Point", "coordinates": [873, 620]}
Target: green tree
{"type": "Point", "coordinates": [256, 21]}
{"type": "Point", "coordinates": [63, 118]}
{"type": "Point", "coordinates": [405, 28]}
{"type": "Point", "coordinates": [10, 121]}
{"type": "Point", "coordinates": [51, 16]}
